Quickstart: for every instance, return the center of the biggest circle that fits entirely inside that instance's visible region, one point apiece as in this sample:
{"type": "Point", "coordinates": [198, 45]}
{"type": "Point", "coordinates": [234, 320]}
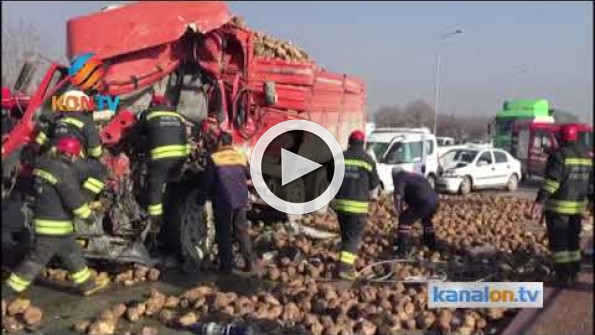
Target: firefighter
{"type": "Point", "coordinates": [422, 203]}
{"type": "Point", "coordinates": [78, 122]}
{"type": "Point", "coordinates": [228, 178]}
{"type": "Point", "coordinates": [568, 185]}
{"type": "Point", "coordinates": [57, 202]}
{"type": "Point", "coordinates": [166, 140]}
{"type": "Point", "coordinates": [351, 201]}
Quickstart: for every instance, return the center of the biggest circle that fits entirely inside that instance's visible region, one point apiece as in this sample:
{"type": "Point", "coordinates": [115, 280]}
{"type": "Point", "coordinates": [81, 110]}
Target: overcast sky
{"type": "Point", "coordinates": [507, 49]}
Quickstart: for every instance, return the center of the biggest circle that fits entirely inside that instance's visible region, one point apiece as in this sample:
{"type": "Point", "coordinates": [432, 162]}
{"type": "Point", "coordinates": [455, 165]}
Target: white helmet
{"type": "Point", "coordinates": [77, 101]}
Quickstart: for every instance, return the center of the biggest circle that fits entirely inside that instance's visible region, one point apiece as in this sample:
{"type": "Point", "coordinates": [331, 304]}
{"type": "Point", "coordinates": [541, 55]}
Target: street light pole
{"type": "Point", "coordinates": [437, 84]}
{"type": "Point", "coordinates": [437, 81]}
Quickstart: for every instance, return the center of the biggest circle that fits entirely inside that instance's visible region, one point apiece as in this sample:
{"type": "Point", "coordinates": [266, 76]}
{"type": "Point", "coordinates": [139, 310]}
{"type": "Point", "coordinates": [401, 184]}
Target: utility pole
{"type": "Point", "coordinates": [437, 81]}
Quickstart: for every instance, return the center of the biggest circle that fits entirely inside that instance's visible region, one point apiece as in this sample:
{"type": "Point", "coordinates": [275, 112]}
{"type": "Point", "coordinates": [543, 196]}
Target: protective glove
{"type": "Point", "coordinates": [96, 206]}
{"type": "Point", "coordinates": [91, 219]}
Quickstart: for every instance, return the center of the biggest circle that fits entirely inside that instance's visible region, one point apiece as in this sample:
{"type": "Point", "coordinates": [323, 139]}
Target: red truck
{"type": "Point", "coordinates": [532, 142]}
{"type": "Point", "coordinates": [206, 63]}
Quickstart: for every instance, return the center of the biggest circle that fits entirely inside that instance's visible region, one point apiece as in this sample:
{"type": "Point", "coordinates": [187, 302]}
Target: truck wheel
{"type": "Point", "coordinates": [316, 184]}
{"type": "Point", "coordinates": [513, 183]}
{"type": "Point", "coordinates": [466, 186]}
{"type": "Point", "coordinates": [191, 226]}
{"type": "Point", "coordinates": [295, 191]}
{"type": "Point", "coordinates": [274, 185]}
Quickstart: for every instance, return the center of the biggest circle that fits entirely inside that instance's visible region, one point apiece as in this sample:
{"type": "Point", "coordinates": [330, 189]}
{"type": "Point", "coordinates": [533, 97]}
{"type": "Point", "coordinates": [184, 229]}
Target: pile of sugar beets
{"type": "Point", "coordinates": [297, 295]}
{"type": "Point", "coordinates": [268, 46]}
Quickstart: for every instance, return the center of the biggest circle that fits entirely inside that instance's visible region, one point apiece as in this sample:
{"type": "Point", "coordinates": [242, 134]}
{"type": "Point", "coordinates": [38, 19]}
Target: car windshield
{"type": "Point", "coordinates": [504, 126]}
{"type": "Point", "coordinates": [404, 153]}
{"type": "Point", "coordinates": [459, 156]}
{"type": "Point", "coordinates": [378, 148]}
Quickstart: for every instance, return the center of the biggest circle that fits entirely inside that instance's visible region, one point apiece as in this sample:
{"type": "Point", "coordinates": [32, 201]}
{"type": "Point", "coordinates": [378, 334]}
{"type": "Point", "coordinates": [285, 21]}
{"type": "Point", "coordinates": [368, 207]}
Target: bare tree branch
{"type": "Point", "coordinates": [420, 114]}
{"type": "Point", "coordinates": [20, 41]}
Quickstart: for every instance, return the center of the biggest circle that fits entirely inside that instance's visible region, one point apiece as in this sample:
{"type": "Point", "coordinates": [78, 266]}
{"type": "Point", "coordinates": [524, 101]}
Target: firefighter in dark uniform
{"type": "Point", "coordinates": [57, 202]}
{"type": "Point", "coordinates": [422, 203]}
{"type": "Point", "coordinates": [568, 185]}
{"type": "Point", "coordinates": [351, 201]}
{"type": "Point", "coordinates": [78, 122]}
{"type": "Point", "coordinates": [228, 176]}
{"type": "Point", "coordinates": [167, 146]}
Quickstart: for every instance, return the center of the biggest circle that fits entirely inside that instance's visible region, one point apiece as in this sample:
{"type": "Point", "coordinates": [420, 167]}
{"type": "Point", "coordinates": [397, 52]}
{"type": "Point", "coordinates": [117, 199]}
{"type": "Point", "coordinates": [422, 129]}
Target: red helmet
{"type": "Point", "coordinates": [569, 133]}
{"type": "Point", "coordinates": [357, 135]}
{"type": "Point", "coordinates": [159, 100]}
{"type": "Point", "coordinates": [69, 145]}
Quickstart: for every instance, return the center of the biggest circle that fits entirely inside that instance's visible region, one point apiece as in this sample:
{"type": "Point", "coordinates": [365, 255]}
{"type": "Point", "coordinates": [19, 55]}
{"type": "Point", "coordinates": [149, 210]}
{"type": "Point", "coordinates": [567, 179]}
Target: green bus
{"type": "Point", "coordinates": [537, 110]}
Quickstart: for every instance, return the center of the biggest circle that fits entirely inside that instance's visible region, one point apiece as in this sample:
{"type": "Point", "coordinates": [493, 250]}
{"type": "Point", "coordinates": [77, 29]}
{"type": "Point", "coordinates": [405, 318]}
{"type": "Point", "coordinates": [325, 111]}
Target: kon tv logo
{"type": "Point", "coordinates": [69, 102]}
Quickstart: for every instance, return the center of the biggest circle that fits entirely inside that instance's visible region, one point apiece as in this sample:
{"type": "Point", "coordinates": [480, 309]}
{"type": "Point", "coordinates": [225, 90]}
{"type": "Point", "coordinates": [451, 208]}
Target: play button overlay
{"type": "Point", "coordinates": [294, 166]}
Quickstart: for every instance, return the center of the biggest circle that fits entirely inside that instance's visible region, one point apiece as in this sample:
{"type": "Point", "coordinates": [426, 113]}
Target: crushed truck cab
{"type": "Point", "coordinates": [210, 65]}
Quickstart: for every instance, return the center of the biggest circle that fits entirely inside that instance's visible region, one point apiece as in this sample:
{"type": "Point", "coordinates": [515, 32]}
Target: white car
{"type": "Point", "coordinates": [412, 149]}
{"type": "Point", "coordinates": [471, 168]}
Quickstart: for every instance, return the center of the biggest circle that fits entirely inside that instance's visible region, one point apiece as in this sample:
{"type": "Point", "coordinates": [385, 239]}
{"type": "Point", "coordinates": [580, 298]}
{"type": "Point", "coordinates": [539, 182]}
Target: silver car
{"type": "Point", "coordinates": [467, 169]}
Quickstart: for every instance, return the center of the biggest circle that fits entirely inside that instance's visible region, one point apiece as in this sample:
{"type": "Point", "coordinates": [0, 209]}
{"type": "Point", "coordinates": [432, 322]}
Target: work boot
{"type": "Point", "coordinates": [575, 269]}
{"type": "Point", "coordinates": [94, 285]}
{"type": "Point", "coordinates": [348, 275]}
{"type": "Point", "coordinates": [152, 239]}
{"type": "Point", "coordinates": [346, 271]}
{"type": "Point", "coordinates": [430, 241]}
{"type": "Point", "coordinates": [155, 222]}
{"type": "Point", "coordinates": [225, 270]}
{"type": "Point", "coordinates": [562, 281]}
{"type": "Point", "coordinates": [403, 246]}
{"type": "Point", "coordinates": [562, 275]}
{"type": "Point", "coordinates": [152, 244]}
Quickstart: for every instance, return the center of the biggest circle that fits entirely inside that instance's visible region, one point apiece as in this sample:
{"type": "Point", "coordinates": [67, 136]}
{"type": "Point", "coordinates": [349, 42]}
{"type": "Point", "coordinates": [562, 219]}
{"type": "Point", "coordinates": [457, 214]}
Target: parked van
{"type": "Point", "coordinates": [413, 149]}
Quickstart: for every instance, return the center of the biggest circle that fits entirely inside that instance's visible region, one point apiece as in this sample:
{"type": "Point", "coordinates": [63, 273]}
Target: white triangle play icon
{"type": "Point", "coordinates": [294, 166]}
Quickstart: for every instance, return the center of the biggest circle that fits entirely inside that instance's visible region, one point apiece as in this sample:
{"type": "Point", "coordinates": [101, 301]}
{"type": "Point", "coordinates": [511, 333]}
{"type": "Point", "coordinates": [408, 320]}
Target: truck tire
{"type": "Point", "coordinates": [295, 191]}
{"type": "Point", "coordinates": [316, 184]}
{"type": "Point", "coordinates": [190, 226]}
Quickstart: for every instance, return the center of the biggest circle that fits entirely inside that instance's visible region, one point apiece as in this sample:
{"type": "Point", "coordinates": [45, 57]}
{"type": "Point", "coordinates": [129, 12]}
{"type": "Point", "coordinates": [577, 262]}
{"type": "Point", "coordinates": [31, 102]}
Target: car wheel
{"type": "Point", "coordinates": [432, 180]}
{"type": "Point", "coordinates": [466, 185]}
{"type": "Point", "coordinates": [513, 182]}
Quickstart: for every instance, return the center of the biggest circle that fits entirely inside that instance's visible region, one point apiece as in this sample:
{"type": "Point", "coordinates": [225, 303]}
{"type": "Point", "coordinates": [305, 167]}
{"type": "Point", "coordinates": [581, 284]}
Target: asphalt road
{"type": "Point", "coordinates": [526, 190]}
{"type": "Point", "coordinates": [63, 309]}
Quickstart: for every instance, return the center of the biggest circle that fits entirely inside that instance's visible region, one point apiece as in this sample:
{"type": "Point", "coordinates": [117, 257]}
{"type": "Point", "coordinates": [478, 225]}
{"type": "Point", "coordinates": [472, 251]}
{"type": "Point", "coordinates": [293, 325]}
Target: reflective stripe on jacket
{"type": "Point", "coordinates": [568, 183]}
{"type": "Point", "coordinates": [58, 199]}
{"type": "Point", "coordinates": [360, 178]}
{"type": "Point", "coordinates": [166, 132]}
{"type": "Point", "coordinates": [227, 175]}
{"type": "Point", "coordinates": [77, 124]}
